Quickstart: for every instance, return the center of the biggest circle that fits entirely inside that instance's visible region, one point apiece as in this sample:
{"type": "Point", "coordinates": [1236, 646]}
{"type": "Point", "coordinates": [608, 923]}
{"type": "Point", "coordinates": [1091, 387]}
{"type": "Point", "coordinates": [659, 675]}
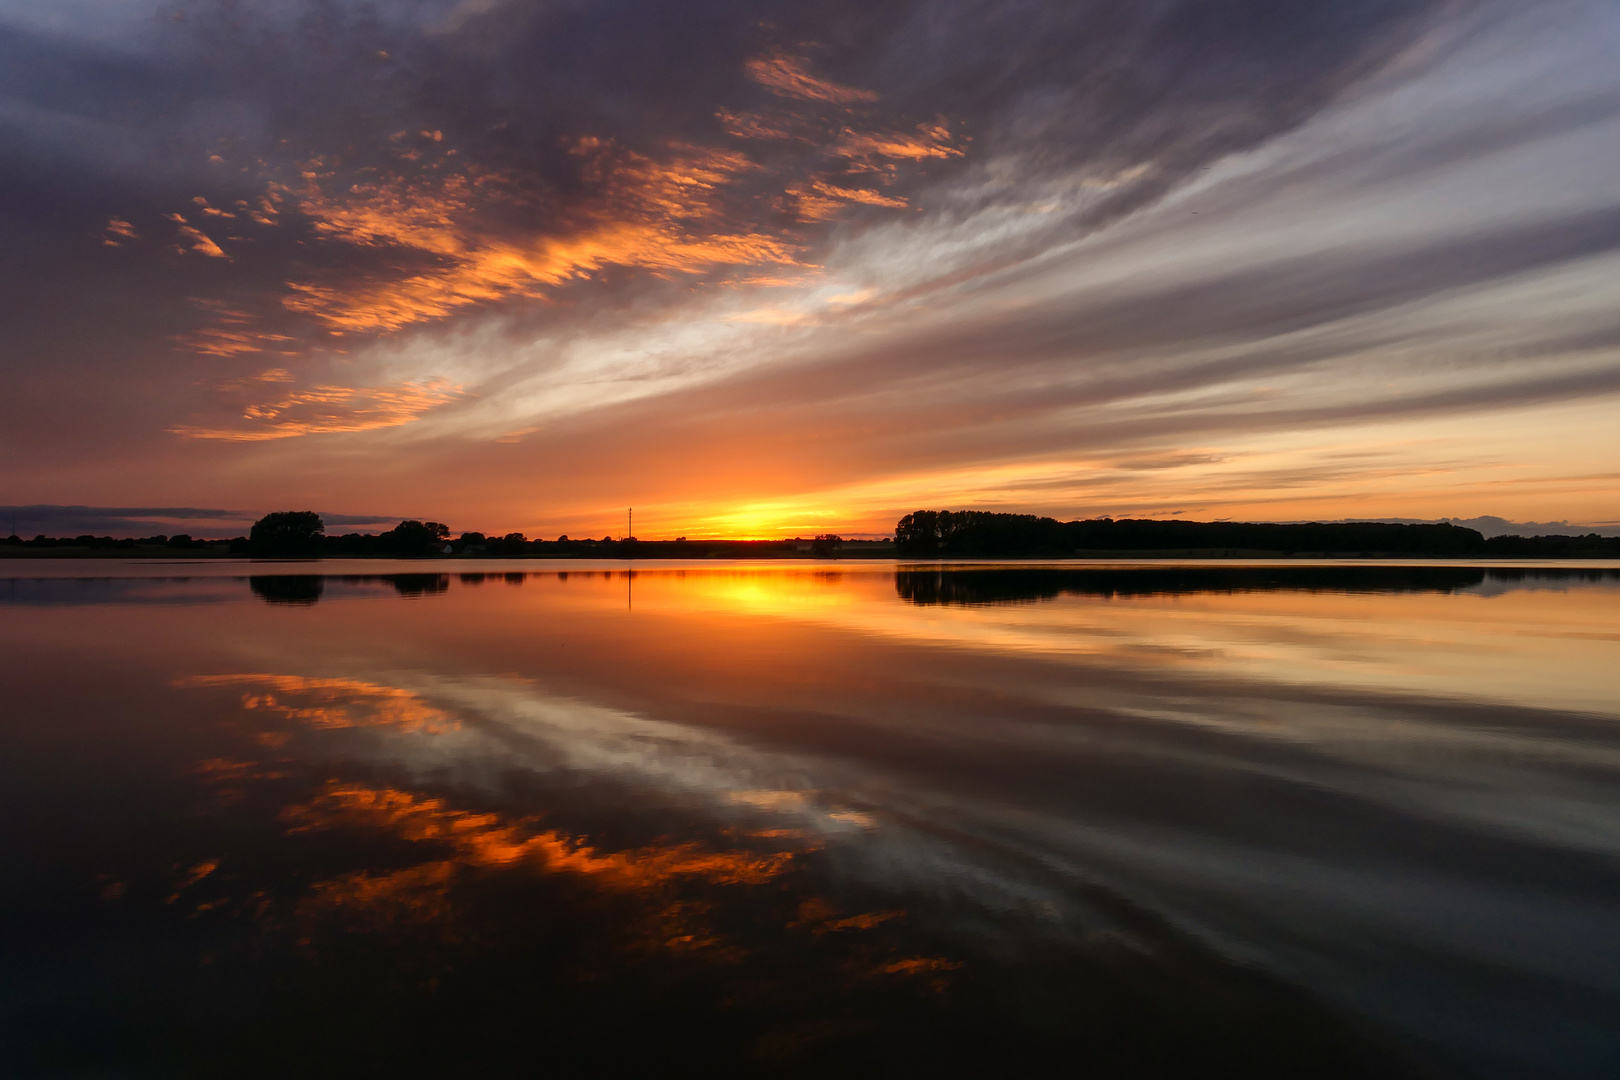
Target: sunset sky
{"type": "Point", "coordinates": [772, 268]}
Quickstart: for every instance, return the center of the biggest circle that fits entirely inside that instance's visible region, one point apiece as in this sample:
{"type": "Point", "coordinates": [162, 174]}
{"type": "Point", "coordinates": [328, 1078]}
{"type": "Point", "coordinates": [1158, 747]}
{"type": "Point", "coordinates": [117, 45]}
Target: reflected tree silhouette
{"type": "Point", "coordinates": [299, 590]}
{"type": "Point", "coordinates": [419, 584]}
{"type": "Point", "coordinates": [1021, 585]}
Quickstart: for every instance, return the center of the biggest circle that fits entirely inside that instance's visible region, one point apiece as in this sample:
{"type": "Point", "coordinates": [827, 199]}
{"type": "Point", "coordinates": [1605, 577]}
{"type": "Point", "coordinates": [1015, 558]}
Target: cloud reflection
{"type": "Point", "coordinates": [332, 703]}
{"type": "Point", "coordinates": [1338, 786]}
{"type": "Point", "coordinates": [1362, 802]}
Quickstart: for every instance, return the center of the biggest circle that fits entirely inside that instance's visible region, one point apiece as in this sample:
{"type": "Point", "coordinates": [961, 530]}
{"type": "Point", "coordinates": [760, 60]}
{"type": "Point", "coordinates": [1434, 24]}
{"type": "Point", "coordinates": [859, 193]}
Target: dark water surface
{"type": "Point", "coordinates": [524, 819]}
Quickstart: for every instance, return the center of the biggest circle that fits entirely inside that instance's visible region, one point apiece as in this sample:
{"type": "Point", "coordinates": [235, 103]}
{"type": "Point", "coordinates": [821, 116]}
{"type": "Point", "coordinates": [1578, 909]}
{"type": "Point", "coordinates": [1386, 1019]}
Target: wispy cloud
{"type": "Point", "coordinates": [790, 77]}
{"type": "Point", "coordinates": [658, 216]}
{"type": "Point", "coordinates": [330, 409]}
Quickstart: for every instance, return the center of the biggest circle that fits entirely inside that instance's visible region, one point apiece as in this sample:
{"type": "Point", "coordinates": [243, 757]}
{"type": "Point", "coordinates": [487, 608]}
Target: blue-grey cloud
{"type": "Point", "coordinates": [120, 521]}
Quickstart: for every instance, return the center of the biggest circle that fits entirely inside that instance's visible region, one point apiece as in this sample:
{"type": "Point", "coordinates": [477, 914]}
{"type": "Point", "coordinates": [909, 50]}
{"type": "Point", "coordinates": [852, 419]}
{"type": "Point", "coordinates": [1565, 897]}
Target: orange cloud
{"type": "Point", "coordinates": [265, 212]}
{"type": "Point", "coordinates": [230, 335]}
{"type": "Point", "coordinates": [818, 200]}
{"type": "Point", "coordinates": [447, 237]}
{"type": "Point", "coordinates": [121, 229]}
{"type": "Point", "coordinates": [655, 216]}
{"type": "Point", "coordinates": [199, 241]}
{"type": "Point", "coordinates": [210, 211]}
{"type": "Point", "coordinates": [926, 141]}
{"type": "Point", "coordinates": [327, 409]}
{"type": "Point", "coordinates": [790, 76]}
{"type": "Point", "coordinates": [269, 375]}
{"type": "Point", "coordinates": [224, 341]}
{"type": "Point", "coordinates": [751, 125]}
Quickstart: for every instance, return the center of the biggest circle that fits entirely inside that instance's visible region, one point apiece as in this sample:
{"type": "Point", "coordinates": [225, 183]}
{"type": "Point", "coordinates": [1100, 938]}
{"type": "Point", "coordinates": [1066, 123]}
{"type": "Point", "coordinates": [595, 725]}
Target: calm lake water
{"type": "Point", "coordinates": [513, 819]}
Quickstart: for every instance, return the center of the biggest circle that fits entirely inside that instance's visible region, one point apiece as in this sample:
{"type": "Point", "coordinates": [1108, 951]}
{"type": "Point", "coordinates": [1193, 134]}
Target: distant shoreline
{"type": "Point", "coordinates": [925, 534]}
{"type": "Point", "coordinates": [887, 551]}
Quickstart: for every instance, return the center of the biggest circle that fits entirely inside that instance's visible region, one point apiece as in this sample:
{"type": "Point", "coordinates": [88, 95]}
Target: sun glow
{"type": "Point", "coordinates": [751, 521]}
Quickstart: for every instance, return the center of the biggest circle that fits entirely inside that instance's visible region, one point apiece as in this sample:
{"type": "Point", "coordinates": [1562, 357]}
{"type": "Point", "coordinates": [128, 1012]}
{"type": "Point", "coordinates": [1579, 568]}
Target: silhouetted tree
{"type": "Point", "coordinates": [291, 532]}
{"type": "Point", "coordinates": [513, 543]}
{"type": "Point", "coordinates": [415, 537]}
{"type": "Point", "coordinates": [825, 544]}
{"type": "Point", "coordinates": [1590, 546]}
{"type": "Point", "coordinates": [933, 534]}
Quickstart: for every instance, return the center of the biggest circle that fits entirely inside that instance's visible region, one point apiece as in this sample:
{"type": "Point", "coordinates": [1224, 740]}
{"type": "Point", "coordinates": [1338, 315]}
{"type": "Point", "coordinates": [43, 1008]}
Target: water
{"type": "Point", "coordinates": [493, 819]}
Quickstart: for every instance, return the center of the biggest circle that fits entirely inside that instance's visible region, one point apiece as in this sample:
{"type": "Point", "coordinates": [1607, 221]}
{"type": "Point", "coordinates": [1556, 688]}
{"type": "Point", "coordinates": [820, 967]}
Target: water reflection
{"type": "Point", "coordinates": [1013, 585]}
{"type": "Point", "coordinates": [1280, 821]}
{"type": "Point", "coordinates": [420, 584]}
{"type": "Point", "coordinates": [294, 589]}
{"type": "Point", "coordinates": [331, 703]}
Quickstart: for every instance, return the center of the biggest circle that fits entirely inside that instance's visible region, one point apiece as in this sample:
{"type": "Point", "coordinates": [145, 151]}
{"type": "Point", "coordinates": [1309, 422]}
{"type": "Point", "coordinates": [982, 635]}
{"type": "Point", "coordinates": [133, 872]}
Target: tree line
{"type": "Point", "coordinates": [303, 533]}
{"type": "Point", "coordinates": [928, 534]}
{"type": "Point", "coordinates": [986, 534]}
{"type": "Point", "coordinates": [88, 540]}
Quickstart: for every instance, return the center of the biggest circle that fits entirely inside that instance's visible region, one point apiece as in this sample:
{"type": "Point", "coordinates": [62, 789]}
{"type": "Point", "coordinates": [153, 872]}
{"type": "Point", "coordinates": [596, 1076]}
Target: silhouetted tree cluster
{"type": "Point", "coordinates": [983, 534]}
{"type": "Point", "coordinates": [416, 538]}
{"type": "Point", "coordinates": [980, 533]}
{"type": "Point", "coordinates": [1590, 546]}
{"type": "Point", "coordinates": [86, 540]}
{"type": "Point", "coordinates": [513, 543]}
{"type": "Point", "coordinates": [287, 533]}
{"type": "Point", "coordinates": [408, 539]}
{"type": "Point", "coordinates": [826, 544]}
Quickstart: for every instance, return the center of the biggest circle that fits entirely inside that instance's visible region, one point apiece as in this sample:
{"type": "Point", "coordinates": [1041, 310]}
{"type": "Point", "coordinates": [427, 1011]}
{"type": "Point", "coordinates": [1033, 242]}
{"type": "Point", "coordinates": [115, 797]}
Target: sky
{"type": "Point", "coordinates": [777, 268]}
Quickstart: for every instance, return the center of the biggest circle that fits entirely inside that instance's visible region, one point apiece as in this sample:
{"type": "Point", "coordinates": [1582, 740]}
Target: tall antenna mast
{"type": "Point", "coordinates": [629, 522]}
